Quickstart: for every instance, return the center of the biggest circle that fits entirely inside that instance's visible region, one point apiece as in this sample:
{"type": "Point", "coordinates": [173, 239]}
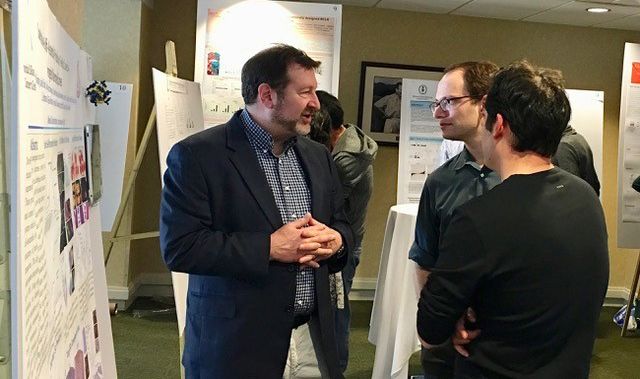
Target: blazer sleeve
{"type": "Point", "coordinates": [339, 220]}
{"type": "Point", "coordinates": [188, 240]}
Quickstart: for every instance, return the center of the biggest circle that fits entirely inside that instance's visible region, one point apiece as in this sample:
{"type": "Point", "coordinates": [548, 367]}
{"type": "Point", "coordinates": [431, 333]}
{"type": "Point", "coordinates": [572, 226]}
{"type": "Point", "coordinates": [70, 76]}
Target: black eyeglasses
{"type": "Point", "coordinates": [445, 103]}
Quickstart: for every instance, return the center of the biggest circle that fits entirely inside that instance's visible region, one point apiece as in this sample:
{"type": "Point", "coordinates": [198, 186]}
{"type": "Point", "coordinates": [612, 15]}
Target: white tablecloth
{"type": "Point", "coordinates": [393, 318]}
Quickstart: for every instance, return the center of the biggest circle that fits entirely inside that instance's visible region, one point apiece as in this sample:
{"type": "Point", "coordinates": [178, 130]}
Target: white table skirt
{"type": "Point", "coordinates": [393, 318]}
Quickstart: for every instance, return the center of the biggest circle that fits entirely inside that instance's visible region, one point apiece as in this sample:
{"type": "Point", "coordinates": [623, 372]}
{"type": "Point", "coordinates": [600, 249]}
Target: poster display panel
{"type": "Point", "coordinates": [229, 32]}
{"type": "Point", "coordinates": [114, 124]}
{"type": "Point", "coordinates": [179, 115]}
{"type": "Point", "coordinates": [629, 149]}
{"type": "Point", "coordinates": [420, 138]}
{"type": "Point", "coordinates": [60, 318]}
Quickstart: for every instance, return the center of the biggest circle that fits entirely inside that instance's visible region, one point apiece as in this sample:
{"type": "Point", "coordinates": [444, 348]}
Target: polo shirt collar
{"type": "Point", "coordinates": [465, 158]}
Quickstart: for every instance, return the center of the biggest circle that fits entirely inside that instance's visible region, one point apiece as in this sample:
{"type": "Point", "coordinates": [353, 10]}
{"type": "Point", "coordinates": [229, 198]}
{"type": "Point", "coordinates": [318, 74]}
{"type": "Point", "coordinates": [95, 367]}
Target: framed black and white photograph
{"type": "Point", "coordinates": [381, 97]}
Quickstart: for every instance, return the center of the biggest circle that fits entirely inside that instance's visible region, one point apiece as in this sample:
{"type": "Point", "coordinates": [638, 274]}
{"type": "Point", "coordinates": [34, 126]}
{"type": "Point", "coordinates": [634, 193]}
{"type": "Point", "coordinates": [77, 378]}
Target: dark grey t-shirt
{"type": "Point", "coordinates": [574, 156]}
{"type": "Point", "coordinates": [454, 183]}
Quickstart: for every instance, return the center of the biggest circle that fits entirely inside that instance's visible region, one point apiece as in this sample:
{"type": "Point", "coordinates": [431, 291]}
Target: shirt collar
{"type": "Point", "coordinates": [465, 158]}
{"type": "Point", "coordinates": [259, 137]}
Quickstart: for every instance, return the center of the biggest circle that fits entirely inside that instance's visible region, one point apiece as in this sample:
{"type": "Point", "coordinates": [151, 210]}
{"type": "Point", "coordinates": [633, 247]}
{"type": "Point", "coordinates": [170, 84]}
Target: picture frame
{"type": "Point", "coordinates": [379, 100]}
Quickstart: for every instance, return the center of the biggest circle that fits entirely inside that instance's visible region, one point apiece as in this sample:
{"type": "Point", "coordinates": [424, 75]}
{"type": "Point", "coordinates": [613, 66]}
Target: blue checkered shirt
{"type": "Point", "coordinates": [291, 192]}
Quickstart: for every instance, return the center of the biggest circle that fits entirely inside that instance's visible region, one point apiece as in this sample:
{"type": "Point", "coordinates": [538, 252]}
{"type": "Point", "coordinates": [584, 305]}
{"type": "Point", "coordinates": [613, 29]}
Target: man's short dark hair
{"type": "Point", "coordinates": [332, 105]}
{"type": "Point", "coordinates": [270, 66]}
{"type": "Point", "coordinates": [533, 102]}
{"type": "Point", "coordinates": [321, 127]}
{"type": "Point", "coordinates": [476, 75]}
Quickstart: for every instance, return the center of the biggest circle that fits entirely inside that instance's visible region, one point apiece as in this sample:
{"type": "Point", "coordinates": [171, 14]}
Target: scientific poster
{"type": "Point", "coordinates": [113, 148]}
{"type": "Point", "coordinates": [179, 115]}
{"type": "Point", "coordinates": [629, 149]}
{"type": "Point", "coordinates": [59, 322]}
{"type": "Point", "coordinates": [420, 139]}
{"type": "Point", "coordinates": [59, 305]}
{"type": "Point", "coordinates": [230, 32]}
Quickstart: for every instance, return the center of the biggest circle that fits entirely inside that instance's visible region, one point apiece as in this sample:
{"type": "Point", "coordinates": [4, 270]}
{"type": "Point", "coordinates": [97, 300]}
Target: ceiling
{"type": "Point", "coordinates": [624, 14]}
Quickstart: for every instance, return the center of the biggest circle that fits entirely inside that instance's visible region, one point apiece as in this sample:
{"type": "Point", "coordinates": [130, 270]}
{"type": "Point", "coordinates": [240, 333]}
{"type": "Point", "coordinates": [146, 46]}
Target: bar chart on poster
{"type": "Point", "coordinates": [179, 116]}
{"type": "Point", "coordinates": [59, 302]}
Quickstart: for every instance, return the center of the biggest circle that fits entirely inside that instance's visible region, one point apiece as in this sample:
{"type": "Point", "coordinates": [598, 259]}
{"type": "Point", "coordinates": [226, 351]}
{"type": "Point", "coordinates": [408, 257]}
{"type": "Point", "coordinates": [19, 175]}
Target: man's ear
{"type": "Point", "coordinates": [500, 127]}
{"type": "Point", "coordinates": [483, 104]}
{"type": "Point", "coordinates": [266, 95]}
{"type": "Point", "coordinates": [482, 114]}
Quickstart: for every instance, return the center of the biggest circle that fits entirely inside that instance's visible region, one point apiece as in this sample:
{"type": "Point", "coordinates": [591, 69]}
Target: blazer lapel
{"type": "Point", "coordinates": [311, 165]}
{"type": "Point", "coordinates": [245, 161]}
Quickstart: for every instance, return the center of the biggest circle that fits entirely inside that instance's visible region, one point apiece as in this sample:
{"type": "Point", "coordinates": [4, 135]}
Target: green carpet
{"type": "Point", "coordinates": [147, 347]}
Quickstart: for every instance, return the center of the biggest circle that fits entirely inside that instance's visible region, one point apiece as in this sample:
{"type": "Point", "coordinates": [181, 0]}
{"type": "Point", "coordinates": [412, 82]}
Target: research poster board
{"type": "Point", "coordinates": [60, 318]}
{"type": "Point", "coordinates": [629, 149]}
{"type": "Point", "coordinates": [420, 138]}
{"type": "Point", "coordinates": [114, 130]}
{"type": "Point", "coordinates": [179, 115]}
{"type": "Point", "coordinates": [229, 32]}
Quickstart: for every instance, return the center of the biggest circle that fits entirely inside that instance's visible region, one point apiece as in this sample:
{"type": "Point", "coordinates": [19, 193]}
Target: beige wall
{"type": "Point", "coordinates": [70, 14]}
{"type": "Point", "coordinates": [590, 59]}
{"type": "Point", "coordinates": [111, 35]}
{"type": "Point", "coordinates": [159, 24]}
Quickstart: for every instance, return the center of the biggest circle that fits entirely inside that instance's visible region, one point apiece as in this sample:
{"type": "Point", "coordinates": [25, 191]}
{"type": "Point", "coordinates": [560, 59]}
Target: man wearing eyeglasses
{"type": "Point", "coordinates": [458, 108]}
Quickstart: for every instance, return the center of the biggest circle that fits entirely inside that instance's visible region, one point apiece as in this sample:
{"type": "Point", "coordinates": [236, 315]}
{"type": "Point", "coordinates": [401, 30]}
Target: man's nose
{"type": "Point", "coordinates": [439, 113]}
{"type": "Point", "coordinates": [314, 102]}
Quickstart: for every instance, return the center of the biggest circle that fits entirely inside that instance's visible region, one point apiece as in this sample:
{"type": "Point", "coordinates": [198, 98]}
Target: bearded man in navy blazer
{"type": "Point", "coordinates": [254, 213]}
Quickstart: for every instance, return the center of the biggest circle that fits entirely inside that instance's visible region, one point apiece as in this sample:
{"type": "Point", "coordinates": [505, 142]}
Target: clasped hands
{"type": "Point", "coordinates": [462, 335]}
{"type": "Point", "coordinates": [306, 241]}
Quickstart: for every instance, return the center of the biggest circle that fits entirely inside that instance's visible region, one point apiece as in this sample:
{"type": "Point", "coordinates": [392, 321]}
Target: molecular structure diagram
{"type": "Point", "coordinates": [98, 93]}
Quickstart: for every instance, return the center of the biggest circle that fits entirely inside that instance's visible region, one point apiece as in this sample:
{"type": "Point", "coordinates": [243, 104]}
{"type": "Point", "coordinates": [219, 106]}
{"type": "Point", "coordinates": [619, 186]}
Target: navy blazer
{"type": "Point", "coordinates": [216, 218]}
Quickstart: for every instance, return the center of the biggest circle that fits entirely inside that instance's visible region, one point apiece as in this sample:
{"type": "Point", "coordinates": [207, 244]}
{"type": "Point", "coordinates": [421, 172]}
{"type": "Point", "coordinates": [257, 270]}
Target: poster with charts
{"type": "Point", "coordinates": [59, 302]}
{"type": "Point", "coordinates": [179, 116]}
{"type": "Point", "coordinates": [420, 139]}
{"type": "Point", "coordinates": [229, 32]}
{"type": "Point", "coordinates": [629, 149]}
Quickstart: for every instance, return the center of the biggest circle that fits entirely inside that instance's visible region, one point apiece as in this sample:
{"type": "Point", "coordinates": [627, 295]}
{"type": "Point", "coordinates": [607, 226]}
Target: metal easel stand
{"type": "Point", "coordinates": [632, 296]}
{"type": "Point", "coordinates": [172, 69]}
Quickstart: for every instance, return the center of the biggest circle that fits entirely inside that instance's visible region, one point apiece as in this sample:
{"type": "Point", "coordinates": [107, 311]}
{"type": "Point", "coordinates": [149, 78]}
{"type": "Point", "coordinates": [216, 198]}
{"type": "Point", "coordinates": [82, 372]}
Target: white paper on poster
{"type": "Point", "coordinates": [420, 138]}
{"type": "Point", "coordinates": [229, 32]}
{"type": "Point", "coordinates": [61, 331]}
{"type": "Point", "coordinates": [629, 149]}
{"type": "Point", "coordinates": [114, 130]}
{"type": "Point", "coordinates": [179, 115]}
{"type": "Point", "coordinates": [55, 308]}
{"type": "Point", "coordinates": [6, 95]}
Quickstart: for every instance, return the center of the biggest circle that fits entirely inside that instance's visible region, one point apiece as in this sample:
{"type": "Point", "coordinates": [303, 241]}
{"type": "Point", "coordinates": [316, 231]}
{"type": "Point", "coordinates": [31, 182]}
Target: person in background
{"type": "Point", "coordinates": [530, 257]}
{"type": "Point", "coordinates": [255, 214]}
{"type": "Point", "coordinates": [461, 115]}
{"type": "Point", "coordinates": [354, 153]}
{"type": "Point", "coordinates": [574, 156]}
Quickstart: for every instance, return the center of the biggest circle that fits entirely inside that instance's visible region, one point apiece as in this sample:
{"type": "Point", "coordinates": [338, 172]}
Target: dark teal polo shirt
{"type": "Point", "coordinates": [454, 183]}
